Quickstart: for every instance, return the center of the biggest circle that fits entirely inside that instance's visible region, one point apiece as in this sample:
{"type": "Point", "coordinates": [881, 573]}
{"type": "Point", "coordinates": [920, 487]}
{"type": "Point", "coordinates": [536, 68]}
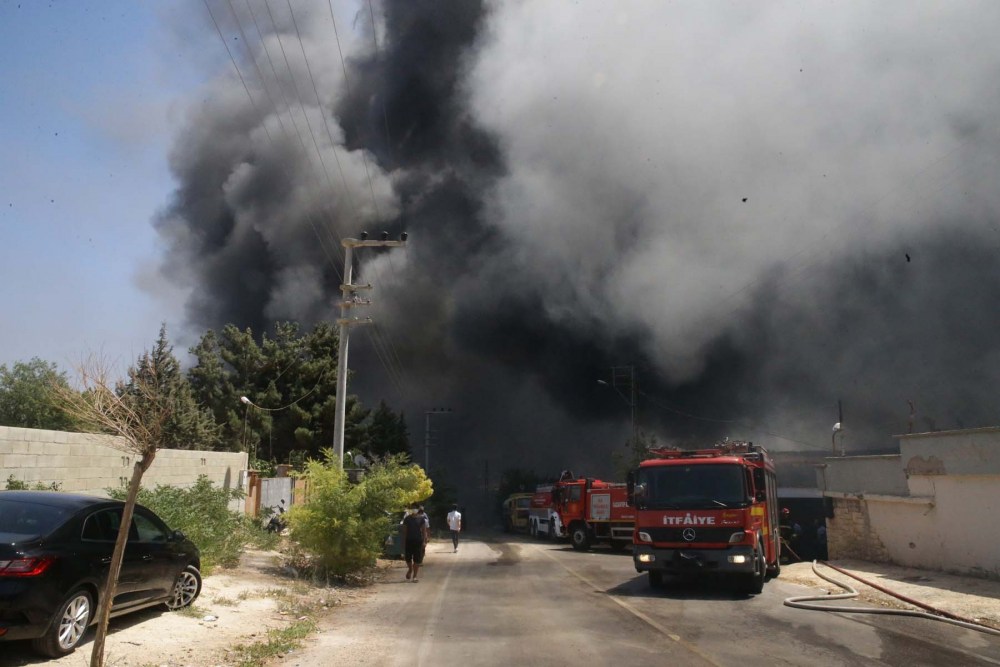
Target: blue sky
{"type": "Point", "coordinates": [89, 97]}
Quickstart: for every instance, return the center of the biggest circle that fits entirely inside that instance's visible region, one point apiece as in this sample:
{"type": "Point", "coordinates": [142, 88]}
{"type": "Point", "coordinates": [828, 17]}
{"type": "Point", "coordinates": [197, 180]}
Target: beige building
{"type": "Point", "coordinates": [87, 463]}
{"type": "Point", "coordinates": [934, 505]}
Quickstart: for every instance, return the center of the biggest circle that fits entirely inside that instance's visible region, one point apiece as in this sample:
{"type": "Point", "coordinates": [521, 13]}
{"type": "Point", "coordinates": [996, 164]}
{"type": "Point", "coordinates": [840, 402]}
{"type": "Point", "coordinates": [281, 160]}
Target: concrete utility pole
{"type": "Point", "coordinates": [623, 371]}
{"type": "Point", "coordinates": [427, 434]}
{"type": "Point", "coordinates": [351, 300]}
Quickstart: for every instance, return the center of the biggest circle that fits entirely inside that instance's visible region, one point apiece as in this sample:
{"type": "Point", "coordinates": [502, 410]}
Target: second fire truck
{"type": "Point", "coordinates": [590, 511]}
{"type": "Point", "coordinates": [709, 511]}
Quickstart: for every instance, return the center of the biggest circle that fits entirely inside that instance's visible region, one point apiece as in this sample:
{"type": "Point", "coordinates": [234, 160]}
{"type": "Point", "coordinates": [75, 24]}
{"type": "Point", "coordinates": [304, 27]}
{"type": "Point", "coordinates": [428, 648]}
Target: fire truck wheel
{"type": "Point", "coordinates": [774, 572]}
{"type": "Point", "coordinates": [580, 537]}
{"type": "Point", "coordinates": [754, 583]}
{"type": "Point", "coordinates": [655, 579]}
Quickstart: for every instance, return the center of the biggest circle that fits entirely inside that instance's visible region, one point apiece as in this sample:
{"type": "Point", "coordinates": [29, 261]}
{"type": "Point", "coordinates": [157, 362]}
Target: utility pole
{"type": "Point", "coordinates": [623, 372]}
{"type": "Point", "coordinates": [351, 300]}
{"type": "Point", "coordinates": [427, 434]}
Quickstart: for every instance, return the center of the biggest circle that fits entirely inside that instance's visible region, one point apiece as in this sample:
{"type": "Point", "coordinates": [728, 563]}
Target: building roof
{"type": "Point", "coordinates": [961, 431]}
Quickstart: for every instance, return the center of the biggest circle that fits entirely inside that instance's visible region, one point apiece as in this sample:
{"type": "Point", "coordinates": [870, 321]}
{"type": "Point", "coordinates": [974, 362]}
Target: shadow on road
{"type": "Point", "coordinates": [598, 551]}
{"type": "Point", "coordinates": [20, 653]}
{"type": "Point", "coordinates": [677, 588]}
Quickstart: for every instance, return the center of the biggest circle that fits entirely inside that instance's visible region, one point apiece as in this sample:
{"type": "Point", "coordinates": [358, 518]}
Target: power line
{"type": "Point", "coordinates": [347, 84]}
{"type": "Point", "coordinates": [739, 422]}
{"type": "Point", "coordinates": [392, 176]}
{"type": "Point", "coordinates": [267, 132]}
{"type": "Point", "coordinates": [278, 111]}
{"type": "Point", "coordinates": [319, 102]}
{"type": "Point", "coordinates": [312, 79]}
{"type": "Point", "coordinates": [285, 407]}
{"type": "Point", "coordinates": [277, 80]}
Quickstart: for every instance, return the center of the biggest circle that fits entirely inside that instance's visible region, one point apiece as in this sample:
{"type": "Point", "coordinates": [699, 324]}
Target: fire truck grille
{"type": "Point", "coordinates": [701, 535]}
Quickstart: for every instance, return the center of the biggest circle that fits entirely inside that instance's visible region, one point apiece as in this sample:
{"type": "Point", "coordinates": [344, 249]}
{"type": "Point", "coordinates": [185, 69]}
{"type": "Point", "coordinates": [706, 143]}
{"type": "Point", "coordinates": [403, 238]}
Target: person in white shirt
{"type": "Point", "coordinates": [455, 524]}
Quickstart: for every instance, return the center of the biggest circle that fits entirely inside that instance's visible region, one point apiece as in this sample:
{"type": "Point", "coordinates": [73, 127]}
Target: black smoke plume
{"type": "Point", "coordinates": [762, 221]}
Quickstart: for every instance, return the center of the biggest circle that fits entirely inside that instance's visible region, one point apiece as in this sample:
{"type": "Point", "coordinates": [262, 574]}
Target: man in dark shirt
{"type": "Point", "coordinates": [414, 541]}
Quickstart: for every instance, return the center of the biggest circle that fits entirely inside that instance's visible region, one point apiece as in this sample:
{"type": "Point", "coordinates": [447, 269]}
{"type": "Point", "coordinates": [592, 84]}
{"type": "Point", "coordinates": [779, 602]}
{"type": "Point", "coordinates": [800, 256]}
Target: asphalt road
{"type": "Point", "coordinates": [517, 602]}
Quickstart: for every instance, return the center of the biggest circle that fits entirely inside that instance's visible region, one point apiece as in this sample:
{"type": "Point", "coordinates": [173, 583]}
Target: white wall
{"type": "Point", "coordinates": [959, 533]}
{"type": "Point", "coordinates": [946, 517]}
{"type": "Point", "coordinates": [87, 463]}
{"type": "Point", "coordinates": [863, 474]}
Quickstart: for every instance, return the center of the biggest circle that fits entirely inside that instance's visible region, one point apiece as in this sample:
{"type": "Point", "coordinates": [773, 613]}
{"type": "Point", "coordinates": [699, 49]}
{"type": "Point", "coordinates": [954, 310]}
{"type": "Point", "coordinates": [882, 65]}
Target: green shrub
{"type": "Point", "coordinates": [202, 513]}
{"type": "Point", "coordinates": [14, 484]}
{"type": "Point", "coordinates": [344, 525]}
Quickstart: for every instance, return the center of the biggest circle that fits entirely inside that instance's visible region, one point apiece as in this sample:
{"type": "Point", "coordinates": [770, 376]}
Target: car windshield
{"type": "Point", "coordinates": [693, 486]}
{"type": "Point", "coordinates": [22, 520]}
{"type": "Point", "coordinates": [524, 503]}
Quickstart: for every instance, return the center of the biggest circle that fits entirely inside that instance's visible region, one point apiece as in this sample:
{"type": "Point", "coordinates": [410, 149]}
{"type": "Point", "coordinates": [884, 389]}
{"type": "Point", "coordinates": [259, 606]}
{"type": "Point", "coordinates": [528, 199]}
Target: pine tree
{"type": "Point", "coordinates": [387, 432]}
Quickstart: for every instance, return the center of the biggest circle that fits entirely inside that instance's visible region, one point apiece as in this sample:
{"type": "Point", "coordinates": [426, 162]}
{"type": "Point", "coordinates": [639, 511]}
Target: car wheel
{"type": "Point", "coordinates": [187, 588]}
{"type": "Point", "coordinates": [68, 627]}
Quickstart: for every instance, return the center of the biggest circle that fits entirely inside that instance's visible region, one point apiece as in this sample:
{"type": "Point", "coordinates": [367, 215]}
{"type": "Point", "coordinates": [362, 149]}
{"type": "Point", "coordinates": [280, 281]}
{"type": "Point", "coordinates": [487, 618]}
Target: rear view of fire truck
{"type": "Point", "coordinates": [543, 521]}
{"type": "Point", "coordinates": [709, 512]}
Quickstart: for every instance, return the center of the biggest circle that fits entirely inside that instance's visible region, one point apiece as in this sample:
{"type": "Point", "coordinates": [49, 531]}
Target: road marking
{"type": "Point", "coordinates": [427, 639]}
{"type": "Point", "coordinates": [656, 625]}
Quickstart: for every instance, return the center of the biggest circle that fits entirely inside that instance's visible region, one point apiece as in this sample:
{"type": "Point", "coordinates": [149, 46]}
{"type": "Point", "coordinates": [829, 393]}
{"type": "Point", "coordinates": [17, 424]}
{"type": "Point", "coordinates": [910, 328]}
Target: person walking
{"type": "Point", "coordinates": [455, 525]}
{"type": "Point", "coordinates": [414, 542]}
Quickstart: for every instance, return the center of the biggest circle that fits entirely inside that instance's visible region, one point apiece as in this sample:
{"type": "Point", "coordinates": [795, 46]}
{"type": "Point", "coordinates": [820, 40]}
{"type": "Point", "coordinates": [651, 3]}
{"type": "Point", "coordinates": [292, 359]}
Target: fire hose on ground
{"type": "Point", "coordinates": [807, 602]}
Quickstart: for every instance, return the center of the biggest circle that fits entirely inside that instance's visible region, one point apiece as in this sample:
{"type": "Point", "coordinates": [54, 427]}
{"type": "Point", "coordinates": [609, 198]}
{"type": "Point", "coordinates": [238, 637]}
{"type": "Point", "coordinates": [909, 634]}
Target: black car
{"type": "Point", "coordinates": [55, 553]}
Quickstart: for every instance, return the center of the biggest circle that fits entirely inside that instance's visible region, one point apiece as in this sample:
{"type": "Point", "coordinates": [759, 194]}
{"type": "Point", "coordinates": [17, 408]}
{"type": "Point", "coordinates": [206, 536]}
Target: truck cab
{"type": "Point", "coordinates": [710, 512]}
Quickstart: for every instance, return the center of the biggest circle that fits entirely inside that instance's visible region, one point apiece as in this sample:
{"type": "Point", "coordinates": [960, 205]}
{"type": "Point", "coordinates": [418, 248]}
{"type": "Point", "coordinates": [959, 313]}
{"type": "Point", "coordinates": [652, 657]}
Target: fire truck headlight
{"type": "Point", "coordinates": [649, 558]}
{"type": "Point", "coordinates": [736, 538]}
{"type": "Point", "coordinates": [644, 537]}
{"type": "Point", "coordinates": [739, 559]}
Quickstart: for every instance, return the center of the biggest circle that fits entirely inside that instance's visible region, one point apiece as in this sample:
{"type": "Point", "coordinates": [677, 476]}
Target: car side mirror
{"type": "Point", "coordinates": [630, 489]}
{"type": "Point", "coordinates": [555, 496]}
{"type": "Point", "coordinates": [761, 496]}
{"type": "Point", "coordinates": [179, 536]}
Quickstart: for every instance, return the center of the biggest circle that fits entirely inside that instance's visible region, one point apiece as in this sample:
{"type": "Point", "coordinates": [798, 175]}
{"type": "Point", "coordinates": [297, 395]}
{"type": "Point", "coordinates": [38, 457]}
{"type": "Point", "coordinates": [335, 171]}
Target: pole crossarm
{"type": "Point", "coordinates": [372, 243]}
{"type": "Point", "coordinates": [355, 288]}
{"type": "Point", "coordinates": [351, 303]}
{"type": "Point", "coordinates": [353, 321]}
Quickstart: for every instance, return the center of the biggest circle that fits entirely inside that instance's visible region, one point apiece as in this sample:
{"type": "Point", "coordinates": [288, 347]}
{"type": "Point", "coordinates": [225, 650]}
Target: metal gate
{"type": "Point", "coordinates": [275, 489]}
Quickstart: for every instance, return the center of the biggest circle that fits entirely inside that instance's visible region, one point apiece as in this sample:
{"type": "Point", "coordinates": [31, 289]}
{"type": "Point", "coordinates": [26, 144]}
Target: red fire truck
{"type": "Point", "coordinates": [594, 511]}
{"type": "Point", "coordinates": [710, 511]}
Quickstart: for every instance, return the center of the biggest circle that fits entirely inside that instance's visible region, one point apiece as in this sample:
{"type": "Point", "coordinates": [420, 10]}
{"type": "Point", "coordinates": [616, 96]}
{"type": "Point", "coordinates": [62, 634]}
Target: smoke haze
{"type": "Point", "coordinates": [764, 209]}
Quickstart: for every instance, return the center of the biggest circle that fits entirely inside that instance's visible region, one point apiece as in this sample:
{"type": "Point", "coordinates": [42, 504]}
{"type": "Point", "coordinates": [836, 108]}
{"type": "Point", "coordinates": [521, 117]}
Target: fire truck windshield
{"type": "Point", "coordinates": [693, 486]}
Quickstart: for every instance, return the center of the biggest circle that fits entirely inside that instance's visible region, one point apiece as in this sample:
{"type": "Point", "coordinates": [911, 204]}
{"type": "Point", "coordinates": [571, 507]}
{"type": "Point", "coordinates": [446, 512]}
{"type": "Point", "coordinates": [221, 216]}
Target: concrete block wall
{"type": "Point", "coordinates": [89, 463]}
{"type": "Point", "coordinates": [850, 533]}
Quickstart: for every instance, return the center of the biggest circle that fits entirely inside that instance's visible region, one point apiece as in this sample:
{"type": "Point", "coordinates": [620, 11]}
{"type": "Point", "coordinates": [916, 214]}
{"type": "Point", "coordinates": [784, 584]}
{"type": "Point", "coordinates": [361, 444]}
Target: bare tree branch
{"type": "Point", "coordinates": [136, 412]}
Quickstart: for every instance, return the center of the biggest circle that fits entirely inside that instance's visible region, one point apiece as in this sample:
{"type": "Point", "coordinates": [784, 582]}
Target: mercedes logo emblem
{"type": "Point", "coordinates": [688, 534]}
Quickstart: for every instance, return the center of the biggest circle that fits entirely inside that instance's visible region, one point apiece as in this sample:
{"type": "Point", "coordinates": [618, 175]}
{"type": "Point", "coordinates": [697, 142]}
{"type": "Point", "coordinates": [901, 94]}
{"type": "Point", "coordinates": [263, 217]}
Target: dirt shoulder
{"type": "Point", "coordinates": [974, 598]}
{"type": "Point", "coordinates": [236, 607]}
